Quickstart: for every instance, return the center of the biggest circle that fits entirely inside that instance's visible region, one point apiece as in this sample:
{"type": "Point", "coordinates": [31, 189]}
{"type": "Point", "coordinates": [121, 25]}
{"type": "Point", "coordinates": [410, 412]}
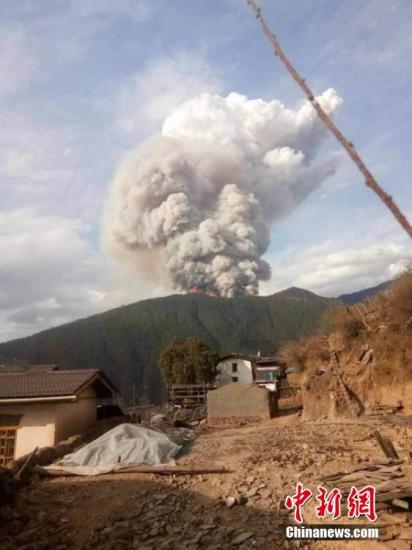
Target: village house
{"type": "Point", "coordinates": [240, 367]}
{"type": "Point", "coordinates": [42, 405]}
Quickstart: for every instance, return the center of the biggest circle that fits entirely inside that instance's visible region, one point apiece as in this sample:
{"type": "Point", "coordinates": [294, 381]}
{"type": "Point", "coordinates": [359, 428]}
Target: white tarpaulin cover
{"type": "Point", "coordinates": [122, 446]}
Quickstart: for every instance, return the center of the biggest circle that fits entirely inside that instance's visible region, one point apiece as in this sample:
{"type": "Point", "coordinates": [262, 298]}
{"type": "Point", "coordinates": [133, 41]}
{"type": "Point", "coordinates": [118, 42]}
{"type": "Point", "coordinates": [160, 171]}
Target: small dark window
{"type": "Point", "coordinates": [234, 367]}
{"type": "Point", "coordinates": [235, 378]}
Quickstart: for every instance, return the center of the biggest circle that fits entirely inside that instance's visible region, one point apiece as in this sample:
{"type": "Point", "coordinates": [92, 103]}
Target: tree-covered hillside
{"type": "Point", "coordinates": [127, 342]}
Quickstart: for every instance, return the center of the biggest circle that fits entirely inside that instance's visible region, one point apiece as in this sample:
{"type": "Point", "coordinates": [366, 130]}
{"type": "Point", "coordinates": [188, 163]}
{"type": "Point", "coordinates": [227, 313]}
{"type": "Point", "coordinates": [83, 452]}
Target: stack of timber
{"type": "Point", "coordinates": [386, 475]}
{"type": "Point", "coordinates": [384, 409]}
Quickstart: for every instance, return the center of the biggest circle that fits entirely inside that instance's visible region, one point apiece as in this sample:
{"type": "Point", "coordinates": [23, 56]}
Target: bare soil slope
{"type": "Point", "coordinates": [373, 342]}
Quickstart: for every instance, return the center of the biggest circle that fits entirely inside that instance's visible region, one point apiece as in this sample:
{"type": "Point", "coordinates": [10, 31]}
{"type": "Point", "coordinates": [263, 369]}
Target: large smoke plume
{"type": "Point", "coordinates": [206, 192]}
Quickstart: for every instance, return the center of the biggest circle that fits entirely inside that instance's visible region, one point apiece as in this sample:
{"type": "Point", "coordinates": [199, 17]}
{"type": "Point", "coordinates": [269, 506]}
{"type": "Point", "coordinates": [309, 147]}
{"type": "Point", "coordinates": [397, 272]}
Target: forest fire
{"type": "Point", "coordinates": [197, 290]}
{"type": "Point", "coordinates": [219, 186]}
{"type": "Point", "coordinates": [194, 290]}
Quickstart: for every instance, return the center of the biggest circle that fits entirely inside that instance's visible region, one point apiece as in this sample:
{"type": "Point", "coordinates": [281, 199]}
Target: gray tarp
{"type": "Point", "coordinates": [124, 445]}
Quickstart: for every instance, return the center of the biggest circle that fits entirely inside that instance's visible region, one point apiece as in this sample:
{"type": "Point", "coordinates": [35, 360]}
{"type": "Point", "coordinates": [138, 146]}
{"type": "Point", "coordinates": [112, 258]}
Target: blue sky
{"type": "Point", "coordinates": [82, 83]}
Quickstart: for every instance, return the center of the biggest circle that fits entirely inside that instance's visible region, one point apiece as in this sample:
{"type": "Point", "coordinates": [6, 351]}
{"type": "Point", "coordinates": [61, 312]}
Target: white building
{"type": "Point", "coordinates": [238, 367]}
{"type": "Point", "coordinates": [41, 406]}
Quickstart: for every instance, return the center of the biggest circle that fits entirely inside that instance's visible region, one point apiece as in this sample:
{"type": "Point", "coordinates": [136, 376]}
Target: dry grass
{"type": "Point", "coordinates": [382, 323]}
{"type": "Point", "coordinates": [390, 310]}
{"type": "Point", "coordinates": [346, 321]}
{"type": "Point", "coordinates": [400, 300]}
{"type": "Point", "coordinates": [299, 354]}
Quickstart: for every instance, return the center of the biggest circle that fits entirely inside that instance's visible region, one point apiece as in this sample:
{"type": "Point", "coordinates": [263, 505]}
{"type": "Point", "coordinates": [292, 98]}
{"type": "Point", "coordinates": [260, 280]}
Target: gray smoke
{"type": "Point", "coordinates": [206, 192]}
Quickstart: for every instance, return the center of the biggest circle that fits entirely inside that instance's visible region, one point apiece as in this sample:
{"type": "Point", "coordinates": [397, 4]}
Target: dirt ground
{"type": "Point", "coordinates": [241, 509]}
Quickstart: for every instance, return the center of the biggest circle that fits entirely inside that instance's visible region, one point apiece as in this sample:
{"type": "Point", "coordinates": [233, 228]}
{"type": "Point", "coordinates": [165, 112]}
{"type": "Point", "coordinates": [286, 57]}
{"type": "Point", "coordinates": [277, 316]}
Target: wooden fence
{"type": "Point", "coordinates": [188, 396]}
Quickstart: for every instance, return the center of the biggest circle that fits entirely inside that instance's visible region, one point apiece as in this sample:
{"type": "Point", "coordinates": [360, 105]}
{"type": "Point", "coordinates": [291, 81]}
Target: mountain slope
{"type": "Point", "coordinates": [355, 297]}
{"type": "Point", "coordinates": [126, 342]}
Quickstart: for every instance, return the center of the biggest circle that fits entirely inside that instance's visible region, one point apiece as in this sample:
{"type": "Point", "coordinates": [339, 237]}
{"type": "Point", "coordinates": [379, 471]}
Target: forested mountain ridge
{"type": "Point", "coordinates": [126, 342]}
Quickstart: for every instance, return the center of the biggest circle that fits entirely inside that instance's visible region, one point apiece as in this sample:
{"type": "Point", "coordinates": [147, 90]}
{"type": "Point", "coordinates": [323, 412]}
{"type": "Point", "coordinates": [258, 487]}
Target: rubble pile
{"type": "Point", "coordinates": [161, 519]}
{"type": "Point", "coordinates": [308, 447]}
{"type": "Point", "coordinates": [7, 486]}
{"type": "Point", "coordinates": [158, 516]}
{"type": "Point", "coordinates": [242, 507]}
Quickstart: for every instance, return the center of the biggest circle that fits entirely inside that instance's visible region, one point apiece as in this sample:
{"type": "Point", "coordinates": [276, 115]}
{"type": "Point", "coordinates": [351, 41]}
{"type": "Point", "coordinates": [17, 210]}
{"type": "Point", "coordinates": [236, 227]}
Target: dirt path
{"type": "Point", "coordinates": [149, 512]}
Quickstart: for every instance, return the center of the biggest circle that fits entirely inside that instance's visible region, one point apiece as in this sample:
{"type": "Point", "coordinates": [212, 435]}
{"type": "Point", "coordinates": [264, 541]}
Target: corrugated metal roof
{"type": "Point", "coordinates": [56, 383]}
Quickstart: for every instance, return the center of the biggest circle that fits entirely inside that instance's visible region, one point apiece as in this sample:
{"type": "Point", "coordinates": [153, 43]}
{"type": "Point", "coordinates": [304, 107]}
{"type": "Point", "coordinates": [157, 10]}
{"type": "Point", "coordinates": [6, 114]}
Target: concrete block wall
{"type": "Point", "coordinates": [241, 400]}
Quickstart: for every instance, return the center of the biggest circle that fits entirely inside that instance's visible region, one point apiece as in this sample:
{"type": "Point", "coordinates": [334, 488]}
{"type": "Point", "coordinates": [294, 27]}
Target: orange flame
{"type": "Point", "coordinates": [197, 290]}
{"type": "Point", "coordinates": [194, 290]}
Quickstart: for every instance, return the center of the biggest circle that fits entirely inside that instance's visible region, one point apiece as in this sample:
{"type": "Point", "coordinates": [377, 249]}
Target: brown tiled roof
{"type": "Point", "coordinates": [57, 383]}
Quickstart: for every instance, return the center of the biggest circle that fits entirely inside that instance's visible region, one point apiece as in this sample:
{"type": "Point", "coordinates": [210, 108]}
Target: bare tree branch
{"type": "Point", "coordinates": [370, 181]}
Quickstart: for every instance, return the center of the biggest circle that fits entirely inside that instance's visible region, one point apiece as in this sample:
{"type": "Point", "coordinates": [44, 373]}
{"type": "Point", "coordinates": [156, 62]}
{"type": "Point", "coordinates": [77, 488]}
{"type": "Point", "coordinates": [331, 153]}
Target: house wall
{"type": "Point", "coordinates": [76, 417]}
{"type": "Point", "coordinates": [45, 424]}
{"type": "Point", "coordinates": [225, 369]}
{"type": "Point", "coordinates": [241, 401]}
{"type": "Point", "coordinates": [36, 428]}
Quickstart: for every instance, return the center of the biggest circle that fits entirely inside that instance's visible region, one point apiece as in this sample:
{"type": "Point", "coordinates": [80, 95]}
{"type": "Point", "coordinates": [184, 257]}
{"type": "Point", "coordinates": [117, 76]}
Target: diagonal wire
{"type": "Point", "coordinates": [370, 181]}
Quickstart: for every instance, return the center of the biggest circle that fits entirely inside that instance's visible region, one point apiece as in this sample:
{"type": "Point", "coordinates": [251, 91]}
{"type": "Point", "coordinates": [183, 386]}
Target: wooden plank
{"type": "Point", "coordinates": [367, 467]}
{"type": "Point", "coordinates": [175, 470]}
{"type": "Point", "coordinates": [401, 503]}
{"type": "Point", "coordinates": [406, 493]}
{"type": "Point", "coordinates": [26, 464]}
{"type": "Point", "coordinates": [386, 445]}
{"type": "Point", "coordinates": [159, 470]}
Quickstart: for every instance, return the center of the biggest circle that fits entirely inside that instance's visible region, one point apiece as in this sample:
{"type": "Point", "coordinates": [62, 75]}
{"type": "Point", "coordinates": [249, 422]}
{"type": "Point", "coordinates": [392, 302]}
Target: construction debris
{"type": "Point", "coordinates": [26, 464]}
{"type": "Point", "coordinates": [386, 476]}
{"type": "Point", "coordinates": [231, 488]}
{"type": "Point", "coordinates": [383, 409]}
{"type": "Point", "coordinates": [8, 486]}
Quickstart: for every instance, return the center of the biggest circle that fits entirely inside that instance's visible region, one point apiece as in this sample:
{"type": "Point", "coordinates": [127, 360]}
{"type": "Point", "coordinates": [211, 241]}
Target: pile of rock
{"type": "Point", "coordinates": [8, 490]}
{"type": "Point", "coordinates": [8, 486]}
{"type": "Point", "coordinates": [168, 521]}
{"type": "Point", "coordinates": [248, 492]}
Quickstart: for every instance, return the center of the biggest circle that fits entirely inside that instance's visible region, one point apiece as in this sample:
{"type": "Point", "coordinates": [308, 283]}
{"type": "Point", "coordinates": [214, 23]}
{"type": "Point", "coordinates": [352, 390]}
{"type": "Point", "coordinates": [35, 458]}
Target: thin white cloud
{"type": "Point", "coordinates": [32, 152]}
{"type": "Point", "coordinates": [50, 274]}
{"type": "Point", "coordinates": [19, 63]}
{"type": "Point", "coordinates": [47, 267]}
{"type": "Point", "coordinates": [364, 32]}
{"type": "Point", "coordinates": [331, 268]}
{"type": "Point", "coordinates": [137, 10]}
{"type": "Point", "coordinates": [149, 96]}
{"type": "Point", "coordinates": [42, 165]}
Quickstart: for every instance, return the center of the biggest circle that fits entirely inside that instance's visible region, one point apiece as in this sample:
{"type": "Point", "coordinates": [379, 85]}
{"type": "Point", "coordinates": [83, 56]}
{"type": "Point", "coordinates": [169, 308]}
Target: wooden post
{"type": "Point", "coordinates": [26, 464]}
{"type": "Point", "coordinates": [386, 445]}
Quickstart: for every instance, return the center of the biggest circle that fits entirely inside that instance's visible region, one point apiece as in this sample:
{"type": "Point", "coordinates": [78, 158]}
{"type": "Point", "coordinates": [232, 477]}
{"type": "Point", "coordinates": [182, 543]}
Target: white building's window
{"type": "Point", "coordinates": [234, 367]}
{"type": "Point", "coordinates": [235, 378]}
{"type": "Point", "coordinates": [7, 443]}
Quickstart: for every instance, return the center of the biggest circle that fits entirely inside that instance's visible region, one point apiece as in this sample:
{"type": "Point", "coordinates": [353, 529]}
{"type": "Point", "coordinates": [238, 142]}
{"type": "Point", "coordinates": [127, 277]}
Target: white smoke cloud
{"type": "Point", "coordinates": [207, 191]}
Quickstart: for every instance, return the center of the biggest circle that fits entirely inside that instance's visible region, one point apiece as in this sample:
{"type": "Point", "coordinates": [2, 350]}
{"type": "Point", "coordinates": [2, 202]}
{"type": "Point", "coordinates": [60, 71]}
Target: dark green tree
{"type": "Point", "coordinates": [188, 361]}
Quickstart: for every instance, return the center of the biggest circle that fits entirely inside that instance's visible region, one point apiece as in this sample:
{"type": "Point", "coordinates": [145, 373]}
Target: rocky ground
{"type": "Point", "coordinates": [242, 509]}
